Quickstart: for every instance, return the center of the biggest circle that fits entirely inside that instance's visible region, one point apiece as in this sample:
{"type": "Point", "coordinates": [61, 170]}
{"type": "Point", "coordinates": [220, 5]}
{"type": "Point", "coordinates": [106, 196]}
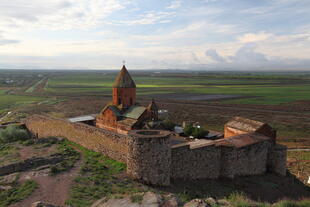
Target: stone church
{"type": "Point", "coordinates": [124, 113]}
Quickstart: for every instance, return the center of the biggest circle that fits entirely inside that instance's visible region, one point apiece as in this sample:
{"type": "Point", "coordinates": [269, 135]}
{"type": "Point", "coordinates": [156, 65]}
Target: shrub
{"type": "Point", "coordinates": [188, 130]}
{"type": "Point", "coordinates": [239, 200]}
{"type": "Point", "coordinates": [137, 198]}
{"type": "Point", "coordinates": [286, 203]}
{"type": "Point", "coordinates": [195, 132]}
{"type": "Point", "coordinates": [70, 157]}
{"type": "Point", "coordinates": [54, 170]}
{"type": "Point", "coordinates": [28, 142]}
{"type": "Point", "coordinates": [13, 133]}
{"type": "Point", "coordinates": [169, 125]}
{"type": "Point", "coordinates": [17, 193]}
{"type": "Point", "coordinates": [199, 132]}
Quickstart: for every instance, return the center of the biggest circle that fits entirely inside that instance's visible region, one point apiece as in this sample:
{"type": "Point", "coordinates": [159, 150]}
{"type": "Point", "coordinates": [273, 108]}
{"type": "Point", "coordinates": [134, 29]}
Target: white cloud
{"type": "Point", "coordinates": [94, 33]}
{"type": "Point", "coordinates": [186, 34]}
{"type": "Point", "coordinates": [6, 41]}
{"type": "Point", "coordinates": [55, 14]}
{"type": "Point", "coordinates": [248, 54]}
{"type": "Point", "coordinates": [174, 4]}
{"type": "Point", "coordinates": [215, 56]}
{"type": "Point", "coordinates": [251, 37]}
{"type": "Point", "coordinates": [150, 17]}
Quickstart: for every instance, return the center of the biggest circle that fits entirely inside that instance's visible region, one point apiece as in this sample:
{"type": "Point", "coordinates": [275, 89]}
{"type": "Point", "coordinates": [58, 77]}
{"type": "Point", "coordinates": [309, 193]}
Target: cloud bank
{"type": "Point", "coordinates": [177, 34]}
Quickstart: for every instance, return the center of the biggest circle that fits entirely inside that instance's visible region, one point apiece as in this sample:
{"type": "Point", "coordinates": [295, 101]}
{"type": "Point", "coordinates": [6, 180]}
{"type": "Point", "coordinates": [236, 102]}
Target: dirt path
{"type": "Point", "coordinates": [8, 113]}
{"type": "Point", "coordinates": [27, 152]}
{"type": "Point", "coordinates": [34, 86]}
{"type": "Point", "coordinates": [51, 189]}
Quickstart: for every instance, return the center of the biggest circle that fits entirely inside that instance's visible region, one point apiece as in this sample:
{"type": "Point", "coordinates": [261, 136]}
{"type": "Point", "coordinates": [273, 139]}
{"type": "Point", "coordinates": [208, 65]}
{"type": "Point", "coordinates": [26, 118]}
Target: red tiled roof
{"type": "Point", "coordinates": [245, 124]}
{"type": "Point", "coordinates": [241, 140]}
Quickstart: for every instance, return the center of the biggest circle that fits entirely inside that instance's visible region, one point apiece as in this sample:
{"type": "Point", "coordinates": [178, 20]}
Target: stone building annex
{"type": "Point", "coordinates": [248, 148]}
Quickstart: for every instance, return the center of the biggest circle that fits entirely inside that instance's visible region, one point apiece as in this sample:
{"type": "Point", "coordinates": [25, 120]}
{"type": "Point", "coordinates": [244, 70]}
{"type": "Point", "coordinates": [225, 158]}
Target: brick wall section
{"type": "Point", "coordinates": [100, 140]}
{"type": "Point", "coordinates": [126, 95]}
{"type": "Point", "coordinates": [149, 156]}
{"type": "Point", "coordinates": [199, 163]}
{"type": "Point", "coordinates": [107, 120]}
{"type": "Point", "coordinates": [277, 159]}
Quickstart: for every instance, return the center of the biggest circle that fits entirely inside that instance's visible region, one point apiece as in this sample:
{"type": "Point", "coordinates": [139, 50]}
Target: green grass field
{"type": "Point", "coordinates": [32, 88]}
{"type": "Point", "coordinates": [8, 100]}
{"type": "Point", "coordinates": [261, 89]}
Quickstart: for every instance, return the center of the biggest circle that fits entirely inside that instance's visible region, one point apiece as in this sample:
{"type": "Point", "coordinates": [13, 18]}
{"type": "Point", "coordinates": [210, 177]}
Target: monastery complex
{"type": "Point", "coordinates": [134, 134]}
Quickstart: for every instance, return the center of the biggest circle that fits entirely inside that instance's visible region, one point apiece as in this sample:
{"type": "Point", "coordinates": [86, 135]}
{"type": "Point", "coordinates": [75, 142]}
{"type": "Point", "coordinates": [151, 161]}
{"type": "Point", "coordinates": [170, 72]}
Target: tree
{"type": "Point", "coordinates": [188, 130]}
{"type": "Point", "coordinates": [169, 125]}
{"type": "Point", "coordinates": [199, 132]}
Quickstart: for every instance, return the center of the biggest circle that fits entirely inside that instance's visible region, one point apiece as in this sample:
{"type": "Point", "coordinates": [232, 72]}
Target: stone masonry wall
{"type": "Point", "coordinates": [100, 140]}
{"type": "Point", "coordinates": [152, 160]}
{"type": "Point", "coordinates": [199, 163]}
{"type": "Point", "coordinates": [227, 160]}
{"type": "Point", "coordinates": [277, 159]}
{"type": "Point", "coordinates": [149, 156]}
{"type": "Point", "coordinates": [213, 161]}
{"type": "Point", "coordinates": [251, 160]}
{"type": "Point", "coordinates": [30, 164]}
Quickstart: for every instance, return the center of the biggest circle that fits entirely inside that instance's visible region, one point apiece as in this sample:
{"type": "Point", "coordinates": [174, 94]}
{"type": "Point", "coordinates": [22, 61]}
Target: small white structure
{"type": "Point", "coordinates": [178, 130]}
{"type": "Point", "coordinates": [9, 81]}
{"type": "Point", "coordinates": [83, 119]}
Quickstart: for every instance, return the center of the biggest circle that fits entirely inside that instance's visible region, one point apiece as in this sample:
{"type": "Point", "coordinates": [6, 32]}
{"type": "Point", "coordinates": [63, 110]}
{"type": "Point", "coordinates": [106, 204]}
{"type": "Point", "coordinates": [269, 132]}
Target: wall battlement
{"type": "Point", "coordinates": [151, 159]}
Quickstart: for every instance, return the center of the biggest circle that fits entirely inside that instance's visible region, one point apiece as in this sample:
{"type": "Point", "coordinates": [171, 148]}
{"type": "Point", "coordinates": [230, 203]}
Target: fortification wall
{"type": "Point", "coordinates": [152, 160]}
{"type": "Point", "coordinates": [100, 140]}
{"type": "Point", "coordinates": [228, 158]}
{"type": "Point", "coordinates": [213, 161]}
{"type": "Point", "coordinates": [277, 159]}
{"type": "Point", "coordinates": [251, 160]}
{"type": "Point", "coordinates": [149, 156]}
{"type": "Point", "coordinates": [248, 160]}
{"type": "Point", "coordinates": [199, 163]}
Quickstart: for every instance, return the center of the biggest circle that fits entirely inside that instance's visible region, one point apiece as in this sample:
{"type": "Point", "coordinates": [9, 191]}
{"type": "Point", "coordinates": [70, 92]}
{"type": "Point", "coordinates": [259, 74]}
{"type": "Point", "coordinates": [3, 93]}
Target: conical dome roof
{"type": "Point", "coordinates": [124, 80]}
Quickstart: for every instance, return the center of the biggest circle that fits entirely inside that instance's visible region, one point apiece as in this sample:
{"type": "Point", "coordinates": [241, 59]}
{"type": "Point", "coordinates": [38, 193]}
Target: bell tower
{"type": "Point", "coordinates": [124, 89]}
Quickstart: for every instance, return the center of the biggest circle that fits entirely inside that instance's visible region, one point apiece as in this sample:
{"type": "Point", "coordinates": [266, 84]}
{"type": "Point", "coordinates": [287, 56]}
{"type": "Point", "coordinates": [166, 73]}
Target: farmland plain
{"type": "Point", "coordinates": [281, 99]}
{"type": "Point", "coordinates": [257, 88]}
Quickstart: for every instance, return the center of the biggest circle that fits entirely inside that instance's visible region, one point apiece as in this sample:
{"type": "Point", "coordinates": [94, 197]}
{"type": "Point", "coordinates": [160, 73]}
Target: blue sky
{"type": "Point", "coordinates": [155, 34]}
